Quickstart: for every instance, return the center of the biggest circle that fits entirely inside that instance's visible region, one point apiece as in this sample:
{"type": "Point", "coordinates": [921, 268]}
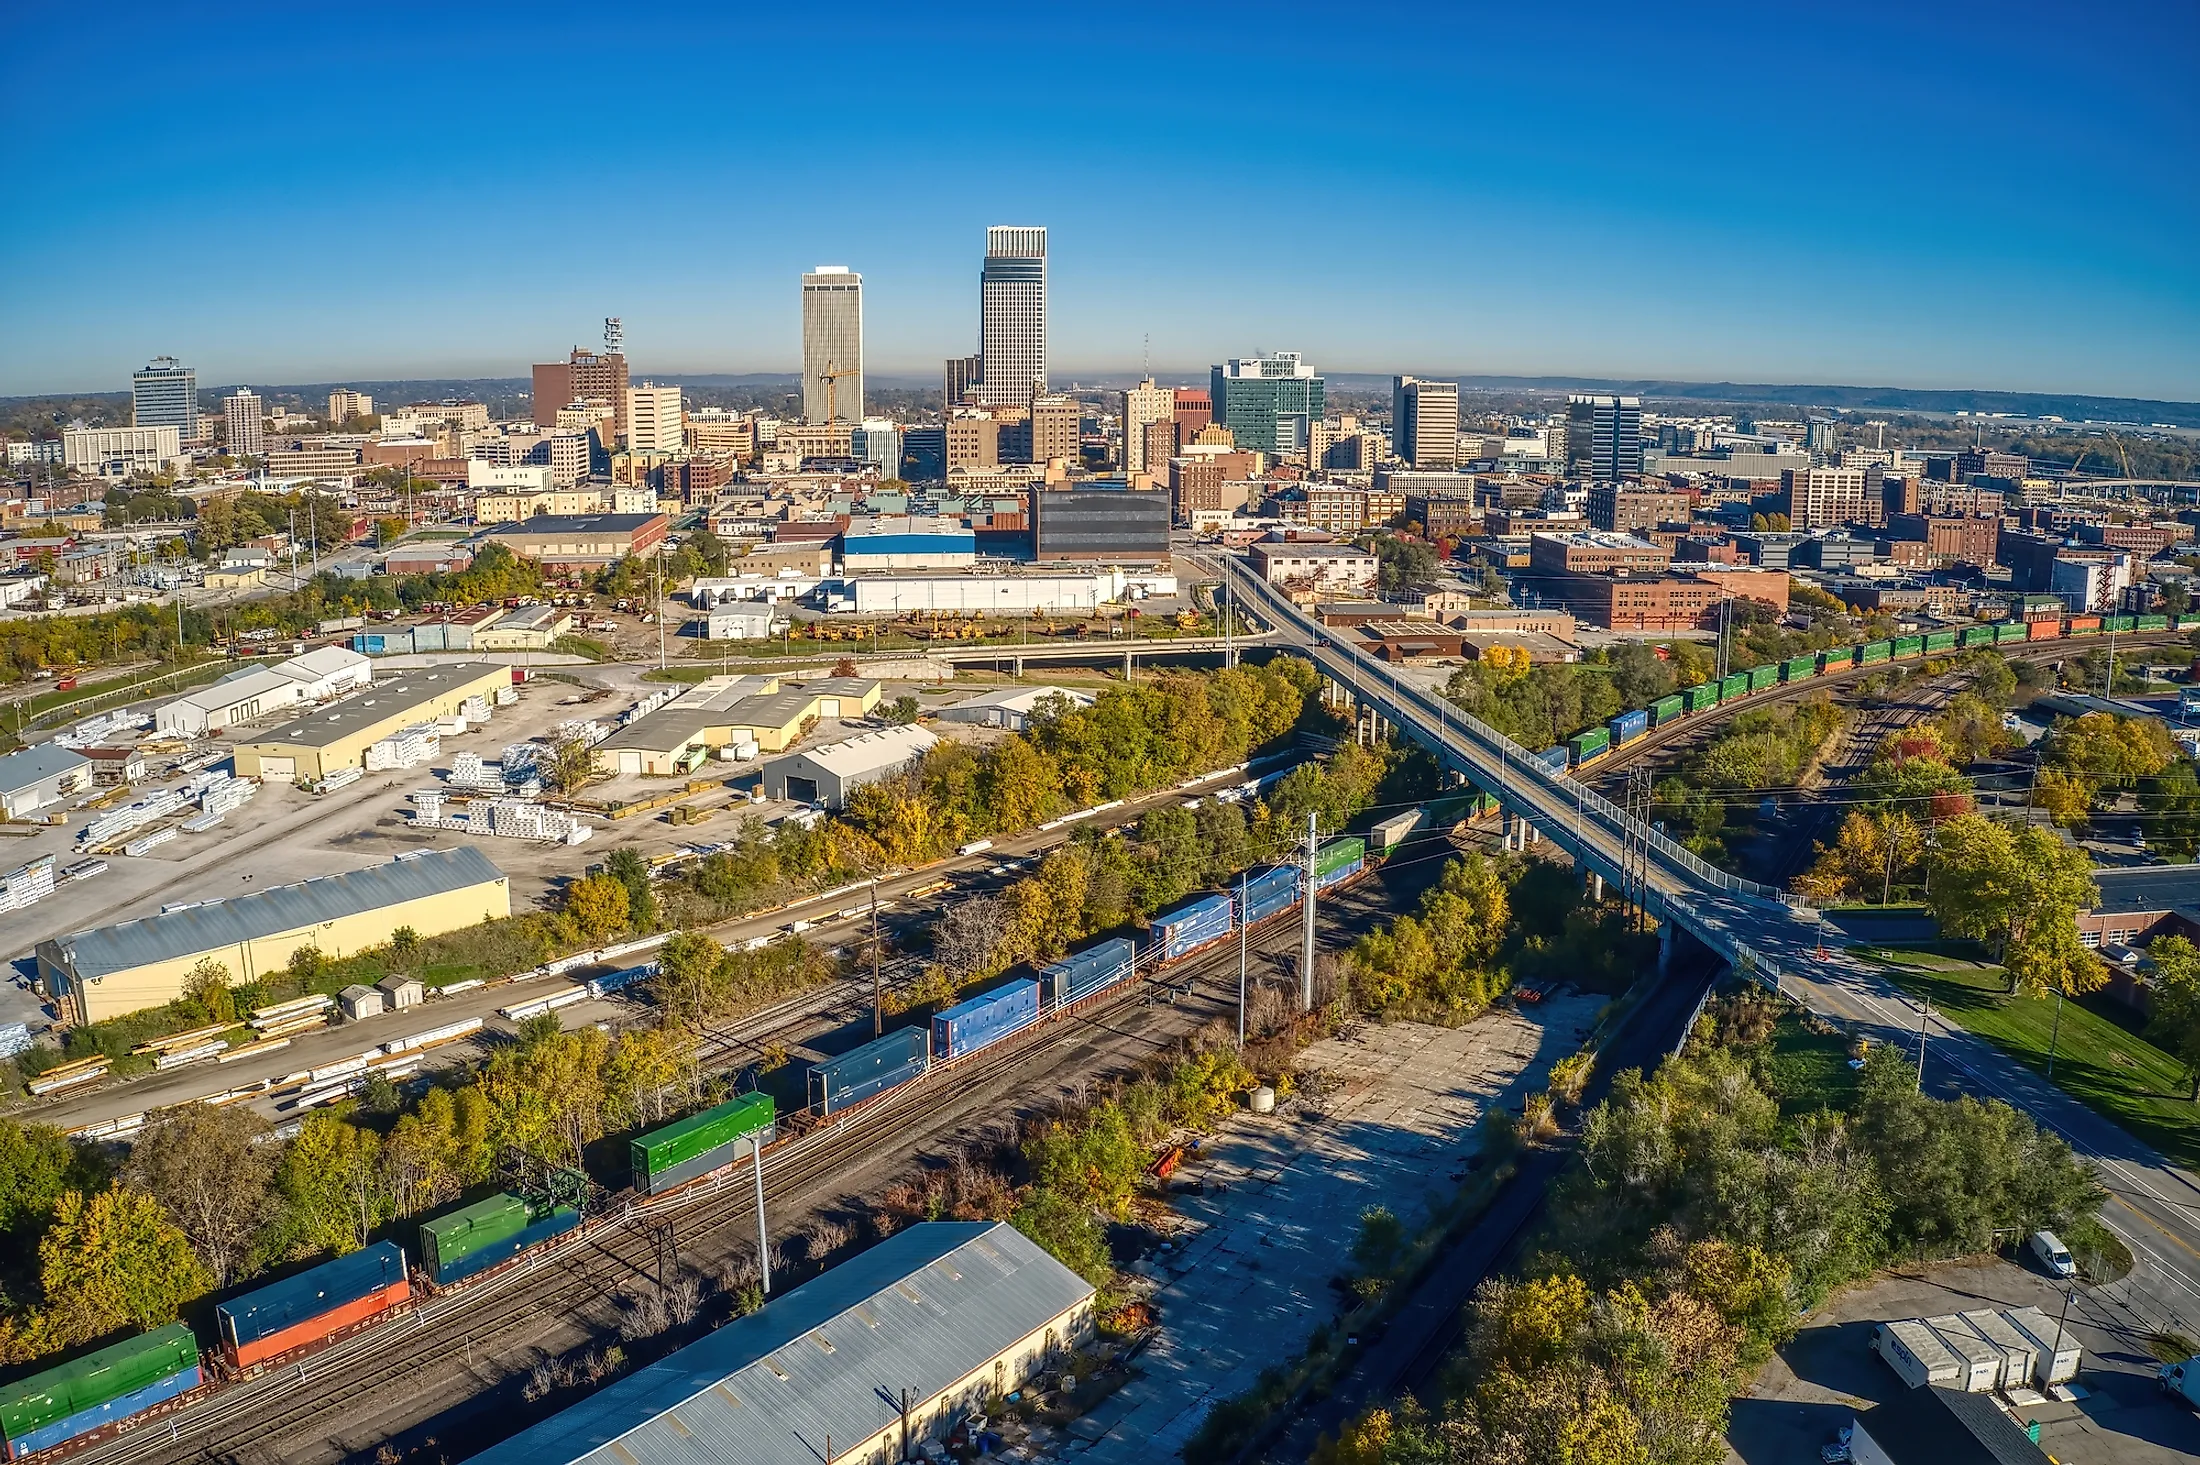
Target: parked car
{"type": "Point", "coordinates": [2048, 1249]}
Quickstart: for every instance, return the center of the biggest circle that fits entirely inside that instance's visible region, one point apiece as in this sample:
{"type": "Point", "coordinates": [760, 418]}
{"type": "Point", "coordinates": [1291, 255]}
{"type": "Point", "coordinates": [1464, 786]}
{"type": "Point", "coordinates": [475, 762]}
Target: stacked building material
{"type": "Point", "coordinates": [27, 884]}
{"type": "Point", "coordinates": [115, 822]}
{"type": "Point", "coordinates": [146, 844]}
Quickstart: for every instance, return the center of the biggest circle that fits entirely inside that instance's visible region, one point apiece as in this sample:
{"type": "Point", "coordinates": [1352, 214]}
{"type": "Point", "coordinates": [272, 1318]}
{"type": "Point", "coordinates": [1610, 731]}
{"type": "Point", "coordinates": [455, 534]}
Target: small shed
{"type": "Point", "coordinates": [360, 1002]}
{"type": "Point", "coordinates": [400, 992]}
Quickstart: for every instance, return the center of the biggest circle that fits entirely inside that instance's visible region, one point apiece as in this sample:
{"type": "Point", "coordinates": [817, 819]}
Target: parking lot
{"type": "Point", "coordinates": [1829, 1372]}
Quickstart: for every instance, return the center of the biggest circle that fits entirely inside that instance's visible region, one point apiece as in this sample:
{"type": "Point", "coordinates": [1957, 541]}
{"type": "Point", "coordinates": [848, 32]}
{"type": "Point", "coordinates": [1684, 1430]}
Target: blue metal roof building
{"type": "Point", "coordinates": [950, 1310]}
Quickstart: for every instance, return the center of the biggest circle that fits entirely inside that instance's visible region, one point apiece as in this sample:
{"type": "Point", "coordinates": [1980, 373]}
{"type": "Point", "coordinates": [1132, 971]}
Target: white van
{"type": "Point", "coordinates": [2052, 1254]}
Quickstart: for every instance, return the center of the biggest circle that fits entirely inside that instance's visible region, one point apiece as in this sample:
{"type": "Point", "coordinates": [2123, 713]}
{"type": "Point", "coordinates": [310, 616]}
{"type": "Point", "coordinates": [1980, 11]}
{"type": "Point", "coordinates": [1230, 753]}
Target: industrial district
{"type": "Point", "coordinates": [1258, 919]}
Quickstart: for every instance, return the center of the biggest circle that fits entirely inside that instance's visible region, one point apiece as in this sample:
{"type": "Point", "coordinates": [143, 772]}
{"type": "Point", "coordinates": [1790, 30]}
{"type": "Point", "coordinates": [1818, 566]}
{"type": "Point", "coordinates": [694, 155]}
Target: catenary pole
{"type": "Point", "coordinates": [1306, 946]}
{"type": "Point", "coordinates": [1244, 918]}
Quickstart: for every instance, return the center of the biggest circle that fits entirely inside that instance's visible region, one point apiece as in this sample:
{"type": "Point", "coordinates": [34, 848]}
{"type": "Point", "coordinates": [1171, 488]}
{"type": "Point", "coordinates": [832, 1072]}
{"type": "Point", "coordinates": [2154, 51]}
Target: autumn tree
{"type": "Point", "coordinates": [333, 1186]}
{"type": "Point", "coordinates": [438, 1150]}
{"type": "Point", "coordinates": [2019, 891]}
{"type": "Point", "coordinates": [114, 1260]}
{"type": "Point", "coordinates": [38, 1166]}
{"type": "Point", "coordinates": [210, 1170]}
{"type": "Point", "coordinates": [597, 906]}
{"type": "Point", "coordinates": [687, 975]}
{"type": "Point", "coordinates": [206, 989]}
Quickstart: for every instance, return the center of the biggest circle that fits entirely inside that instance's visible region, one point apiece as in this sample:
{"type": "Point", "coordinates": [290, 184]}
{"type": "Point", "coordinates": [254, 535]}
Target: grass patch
{"type": "Point", "coordinates": [586, 646]}
{"type": "Point", "coordinates": [1808, 1067]}
{"type": "Point", "coordinates": [2098, 1061]}
{"type": "Point", "coordinates": [32, 708]}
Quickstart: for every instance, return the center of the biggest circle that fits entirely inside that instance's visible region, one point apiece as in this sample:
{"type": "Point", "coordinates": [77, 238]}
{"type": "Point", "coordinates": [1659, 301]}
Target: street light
{"type": "Point", "coordinates": [2054, 1032]}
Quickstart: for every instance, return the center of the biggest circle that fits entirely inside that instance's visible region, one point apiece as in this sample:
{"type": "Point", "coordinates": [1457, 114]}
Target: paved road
{"type": "Point", "coordinates": [2154, 1206]}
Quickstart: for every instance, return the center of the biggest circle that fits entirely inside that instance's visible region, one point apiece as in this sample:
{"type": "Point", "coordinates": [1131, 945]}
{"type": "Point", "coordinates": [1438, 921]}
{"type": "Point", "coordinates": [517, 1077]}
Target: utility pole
{"type": "Point", "coordinates": [1925, 1016]}
{"type": "Point", "coordinates": [1244, 914]}
{"type": "Point", "coordinates": [878, 997]}
{"type": "Point", "coordinates": [763, 1244]}
{"type": "Point", "coordinates": [2054, 1033]}
{"type": "Point", "coordinates": [659, 605]}
{"type": "Point", "coordinates": [1306, 946]}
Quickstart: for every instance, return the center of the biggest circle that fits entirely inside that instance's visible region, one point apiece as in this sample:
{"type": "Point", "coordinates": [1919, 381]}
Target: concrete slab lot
{"type": "Point", "coordinates": [1248, 1280]}
{"type": "Point", "coordinates": [1829, 1371]}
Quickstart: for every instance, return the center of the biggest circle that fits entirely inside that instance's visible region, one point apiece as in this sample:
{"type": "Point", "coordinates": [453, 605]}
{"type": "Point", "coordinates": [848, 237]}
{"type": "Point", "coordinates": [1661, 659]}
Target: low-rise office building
{"type": "Point", "coordinates": [827, 775]}
{"type": "Point", "coordinates": [1593, 553]}
{"type": "Point", "coordinates": [1011, 593]}
{"type": "Point", "coordinates": [110, 970]}
{"type": "Point", "coordinates": [315, 745]}
{"type": "Point", "coordinates": [580, 541]}
{"type": "Point", "coordinates": [1314, 567]}
{"type": "Point", "coordinates": [1104, 525]}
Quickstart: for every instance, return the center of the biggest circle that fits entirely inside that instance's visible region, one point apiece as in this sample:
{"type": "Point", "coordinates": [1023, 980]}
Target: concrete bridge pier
{"type": "Point", "coordinates": [1595, 884]}
{"type": "Point", "coordinates": [1665, 946]}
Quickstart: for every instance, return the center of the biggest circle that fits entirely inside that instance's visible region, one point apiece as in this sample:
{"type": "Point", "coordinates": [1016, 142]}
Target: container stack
{"type": "Point", "coordinates": [701, 1143]}
{"type": "Point", "coordinates": [474, 1238]}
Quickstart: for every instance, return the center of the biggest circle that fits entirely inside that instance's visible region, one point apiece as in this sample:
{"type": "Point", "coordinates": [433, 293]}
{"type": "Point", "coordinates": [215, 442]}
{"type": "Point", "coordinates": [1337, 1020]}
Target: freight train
{"type": "Point", "coordinates": [89, 1397]}
{"type": "Point", "coordinates": [1585, 749]}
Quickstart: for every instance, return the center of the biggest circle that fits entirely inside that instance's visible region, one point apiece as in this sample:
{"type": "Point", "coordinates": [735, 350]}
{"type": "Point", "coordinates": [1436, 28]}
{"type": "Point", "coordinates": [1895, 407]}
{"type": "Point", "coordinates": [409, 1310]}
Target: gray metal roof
{"type": "Point", "coordinates": [2148, 887]}
{"type": "Point", "coordinates": [922, 1310]}
{"type": "Point", "coordinates": [90, 955]}
{"type": "Point", "coordinates": [27, 766]}
{"type": "Point", "coordinates": [399, 698]}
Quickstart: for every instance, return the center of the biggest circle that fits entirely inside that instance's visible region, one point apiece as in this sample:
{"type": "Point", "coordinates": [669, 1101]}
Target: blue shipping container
{"type": "Point", "coordinates": [1270, 892]}
{"type": "Point", "coordinates": [368, 645]}
{"type": "Point", "coordinates": [871, 1069]}
{"type": "Point", "coordinates": [969, 1026]}
{"type": "Point", "coordinates": [1628, 726]}
{"type": "Point", "coordinates": [557, 1223]}
{"type": "Point", "coordinates": [1552, 759]}
{"type": "Point", "coordinates": [1193, 924]}
{"type": "Point", "coordinates": [316, 1290]}
{"type": "Point", "coordinates": [1085, 972]}
{"type": "Point", "coordinates": [45, 1437]}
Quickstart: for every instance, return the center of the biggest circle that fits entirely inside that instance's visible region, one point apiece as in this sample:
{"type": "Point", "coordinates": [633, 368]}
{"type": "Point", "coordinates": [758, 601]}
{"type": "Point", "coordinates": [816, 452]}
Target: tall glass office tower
{"type": "Point", "coordinates": [1013, 309]}
{"type": "Point", "coordinates": [832, 344]}
{"type": "Point", "coordinates": [165, 394]}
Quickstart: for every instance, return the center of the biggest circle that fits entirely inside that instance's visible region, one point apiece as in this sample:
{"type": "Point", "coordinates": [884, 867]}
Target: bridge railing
{"type": "Point", "coordinates": [1586, 801]}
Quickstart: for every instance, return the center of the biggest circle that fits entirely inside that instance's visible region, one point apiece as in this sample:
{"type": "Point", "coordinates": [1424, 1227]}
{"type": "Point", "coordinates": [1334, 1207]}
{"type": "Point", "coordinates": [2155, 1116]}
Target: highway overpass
{"type": "Point", "coordinates": [2153, 1206]}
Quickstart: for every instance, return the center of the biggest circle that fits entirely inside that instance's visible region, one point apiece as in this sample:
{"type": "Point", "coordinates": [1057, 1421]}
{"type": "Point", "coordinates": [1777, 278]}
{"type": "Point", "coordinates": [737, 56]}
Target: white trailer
{"type": "Point", "coordinates": [2058, 1353]}
{"type": "Point", "coordinates": [1981, 1361]}
{"type": "Point", "coordinates": [2017, 1352]}
{"type": "Point", "coordinates": [1917, 1355]}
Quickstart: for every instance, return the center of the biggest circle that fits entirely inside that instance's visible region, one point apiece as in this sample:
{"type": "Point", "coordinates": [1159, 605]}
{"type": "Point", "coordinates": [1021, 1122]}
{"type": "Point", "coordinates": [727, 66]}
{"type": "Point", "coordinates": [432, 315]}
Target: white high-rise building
{"type": "Point", "coordinates": [243, 414]}
{"type": "Point", "coordinates": [166, 394]}
{"type": "Point", "coordinates": [832, 345]}
{"type": "Point", "coordinates": [877, 441]}
{"type": "Point", "coordinates": [1013, 315]}
{"type": "Point", "coordinates": [344, 403]}
{"type": "Point", "coordinates": [653, 423]}
{"type": "Point", "coordinates": [1143, 404]}
{"type": "Point", "coordinates": [1424, 421]}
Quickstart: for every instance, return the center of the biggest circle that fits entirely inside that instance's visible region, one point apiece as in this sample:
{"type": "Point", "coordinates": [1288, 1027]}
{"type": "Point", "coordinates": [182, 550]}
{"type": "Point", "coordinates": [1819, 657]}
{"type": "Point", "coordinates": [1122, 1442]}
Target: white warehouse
{"type": "Point", "coordinates": [1008, 593]}
{"type": "Point", "coordinates": [242, 696]}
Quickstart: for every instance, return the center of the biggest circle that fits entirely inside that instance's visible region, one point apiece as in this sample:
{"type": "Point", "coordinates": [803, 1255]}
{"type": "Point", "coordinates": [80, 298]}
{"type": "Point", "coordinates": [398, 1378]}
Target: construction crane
{"type": "Point", "coordinates": [831, 376]}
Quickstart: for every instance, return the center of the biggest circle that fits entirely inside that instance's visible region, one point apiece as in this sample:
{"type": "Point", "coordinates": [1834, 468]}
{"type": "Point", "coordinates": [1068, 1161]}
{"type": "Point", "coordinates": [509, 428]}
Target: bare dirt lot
{"type": "Point", "coordinates": [1828, 1373]}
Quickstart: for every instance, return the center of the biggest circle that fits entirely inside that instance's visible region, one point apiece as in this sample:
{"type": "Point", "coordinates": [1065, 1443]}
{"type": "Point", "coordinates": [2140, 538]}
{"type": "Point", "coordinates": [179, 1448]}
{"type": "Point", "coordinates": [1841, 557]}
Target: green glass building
{"type": "Point", "coordinates": [1269, 403]}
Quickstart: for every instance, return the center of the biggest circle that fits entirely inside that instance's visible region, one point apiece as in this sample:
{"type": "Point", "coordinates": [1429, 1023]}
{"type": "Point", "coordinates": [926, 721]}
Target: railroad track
{"type": "Point", "coordinates": [565, 1275]}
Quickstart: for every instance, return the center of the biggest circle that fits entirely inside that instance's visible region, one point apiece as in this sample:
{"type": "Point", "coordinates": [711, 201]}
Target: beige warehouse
{"type": "Point", "coordinates": [108, 971]}
{"type": "Point", "coordinates": [317, 744]}
{"type": "Point", "coordinates": [725, 710]}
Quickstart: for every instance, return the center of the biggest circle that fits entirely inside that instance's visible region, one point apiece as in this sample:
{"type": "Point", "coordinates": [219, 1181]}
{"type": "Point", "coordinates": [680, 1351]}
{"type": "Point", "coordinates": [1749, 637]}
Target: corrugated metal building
{"type": "Point", "coordinates": [827, 775]}
{"type": "Point", "coordinates": [110, 970]}
{"type": "Point", "coordinates": [31, 778]}
{"type": "Point", "coordinates": [951, 1310]}
{"type": "Point", "coordinates": [725, 710]}
{"type": "Point", "coordinates": [319, 743]}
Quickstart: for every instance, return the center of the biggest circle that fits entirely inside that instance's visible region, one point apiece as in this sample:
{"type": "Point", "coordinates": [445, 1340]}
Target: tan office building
{"type": "Point", "coordinates": [97, 974]}
{"type": "Point", "coordinates": [338, 736]}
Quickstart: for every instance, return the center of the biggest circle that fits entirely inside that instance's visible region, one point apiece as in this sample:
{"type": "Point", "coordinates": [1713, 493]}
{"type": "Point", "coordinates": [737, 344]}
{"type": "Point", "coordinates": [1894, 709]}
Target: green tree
{"type": "Point", "coordinates": [206, 990]}
{"type": "Point", "coordinates": [210, 1169]}
{"type": "Point", "coordinates": [114, 1260]}
{"type": "Point", "coordinates": [629, 868]}
{"type": "Point", "coordinates": [1069, 1232]}
{"type": "Point", "coordinates": [2173, 1021]}
{"type": "Point", "coordinates": [687, 977]}
{"type": "Point", "coordinates": [37, 1166]}
{"type": "Point", "coordinates": [333, 1185]}
{"type": "Point", "coordinates": [2017, 891]}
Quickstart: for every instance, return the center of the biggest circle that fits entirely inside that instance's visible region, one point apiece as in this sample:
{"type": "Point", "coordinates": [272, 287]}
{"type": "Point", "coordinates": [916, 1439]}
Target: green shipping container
{"type": "Point", "coordinates": [2152, 623]}
{"type": "Point", "coordinates": [1874, 651]}
{"type": "Point", "coordinates": [2009, 631]}
{"type": "Point", "coordinates": [87, 1382]}
{"type": "Point", "coordinates": [1734, 686]}
{"type": "Point", "coordinates": [698, 1134]}
{"type": "Point", "coordinates": [1702, 697]}
{"type": "Point", "coordinates": [451, 1238]}
{"type": "Point", "coordinates": [1978, 635]}
{"type": "Point", "coordinates": [1909, 645]}
{"type": "Point", "coordinates": [1665, 709]}
{"type": "Point", "coordinates": [1940, 641]}
{"type": "Point", "coordinates": [1761, 677]}
{"type": "Point", "coordinates": [1338, 853]}
{"type": "Point", "coordinates": [1799, 669]}
{"type": "Point", "coordinates": [1587, 745]}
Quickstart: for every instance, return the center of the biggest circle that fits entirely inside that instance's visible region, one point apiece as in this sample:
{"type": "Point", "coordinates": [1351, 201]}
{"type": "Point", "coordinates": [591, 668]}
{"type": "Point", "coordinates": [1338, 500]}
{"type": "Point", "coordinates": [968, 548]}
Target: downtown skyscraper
{"type": "Point", "coordinates": [832, 345]}
{"type": "Point", "coordinates": [1013, 315]}
{"type": "Point", "coordinates": [166, 394]}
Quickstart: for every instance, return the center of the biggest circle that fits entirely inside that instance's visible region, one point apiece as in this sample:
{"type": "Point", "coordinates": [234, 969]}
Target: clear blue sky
{"type": "Point", "coordinates": [1925, 194]}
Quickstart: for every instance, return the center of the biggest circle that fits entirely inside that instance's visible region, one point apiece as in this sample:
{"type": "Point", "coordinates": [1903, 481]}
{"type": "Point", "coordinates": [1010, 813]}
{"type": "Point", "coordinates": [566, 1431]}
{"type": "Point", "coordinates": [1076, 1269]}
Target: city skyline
{"type": "Point", "coordinates": [1447, 219]}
